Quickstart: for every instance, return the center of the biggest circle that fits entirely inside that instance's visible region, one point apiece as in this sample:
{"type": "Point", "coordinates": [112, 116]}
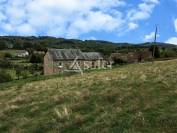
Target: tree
{"type": "Point", "coordinates": [18, 44]}
{"type": "Point", "coordinates": [36, 58]}
{"type": "Point", "coordinates": [3, 45]}
{"type": "Point", "coordinates": [155, 51]}
{"type": "Point", "coordinates": [28, 44]}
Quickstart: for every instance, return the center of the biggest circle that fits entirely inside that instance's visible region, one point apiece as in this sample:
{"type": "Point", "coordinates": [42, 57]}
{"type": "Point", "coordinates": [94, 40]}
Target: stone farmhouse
{"type": "Point", "coordinates": [139, 56]}
{"type": "Point", "coordinates": [60, 60]}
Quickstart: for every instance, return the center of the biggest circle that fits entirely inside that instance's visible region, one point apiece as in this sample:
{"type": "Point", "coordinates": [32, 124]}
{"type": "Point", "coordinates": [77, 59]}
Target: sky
{"type": "Point", "coordinates": [130, 21]}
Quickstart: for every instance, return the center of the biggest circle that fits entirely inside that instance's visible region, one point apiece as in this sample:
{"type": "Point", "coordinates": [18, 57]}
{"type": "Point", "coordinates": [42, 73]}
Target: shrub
{"type": "Point", "coordinates": [5, 64]}
{"type": "Point", "coordinates": [2, 55]}
{"type": "Point", "coordinates": [22, 73]}
{"type": "Point", "coordinates": [8, 55]}
{"type": "Point", "coordinates": [168, 54]}
{"type": "Point", "coordinates": [25, 74]}
{"type": "Point", "coordinates": [119, 61]}
{"type": "Point", "coordinates": [5, 77]}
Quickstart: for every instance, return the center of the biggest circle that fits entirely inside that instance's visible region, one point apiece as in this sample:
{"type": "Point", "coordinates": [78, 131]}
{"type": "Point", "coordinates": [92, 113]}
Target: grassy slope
{"type": "Point", "coordinates": [134, 98]}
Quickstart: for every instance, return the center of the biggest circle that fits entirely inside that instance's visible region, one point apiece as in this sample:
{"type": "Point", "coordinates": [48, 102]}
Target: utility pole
{"type": "Point", "coordinates": [155, 39]}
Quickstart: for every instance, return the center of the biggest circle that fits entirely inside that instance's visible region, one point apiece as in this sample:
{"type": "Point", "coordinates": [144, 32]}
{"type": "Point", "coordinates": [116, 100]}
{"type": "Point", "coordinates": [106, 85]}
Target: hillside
{"type": "Point", "coordinates": [133, 98]}
{"type": "Point", "coordinates": [44, 42]}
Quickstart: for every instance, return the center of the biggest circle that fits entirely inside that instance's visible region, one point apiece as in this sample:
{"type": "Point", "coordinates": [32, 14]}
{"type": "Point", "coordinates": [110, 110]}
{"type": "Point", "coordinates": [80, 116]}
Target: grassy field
{"type": "Point", "coordinates": [130, 99]}
{"type": "Point", "coordinates": [13, 52]}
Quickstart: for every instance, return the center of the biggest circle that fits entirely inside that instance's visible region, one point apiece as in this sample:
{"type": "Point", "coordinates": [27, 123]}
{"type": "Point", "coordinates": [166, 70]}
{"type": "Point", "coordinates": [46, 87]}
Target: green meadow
{"type": "Point", "coordinates": [133, 98]}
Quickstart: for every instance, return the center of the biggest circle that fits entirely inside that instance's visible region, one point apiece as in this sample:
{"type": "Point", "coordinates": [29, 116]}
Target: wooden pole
{"type": "Point", "coordinates": [155, 39]}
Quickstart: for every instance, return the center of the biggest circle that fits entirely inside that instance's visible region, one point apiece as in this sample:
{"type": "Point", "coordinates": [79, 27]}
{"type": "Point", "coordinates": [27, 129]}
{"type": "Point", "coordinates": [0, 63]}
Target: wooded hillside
{"type": "Point", "coordinates": [42, 43]}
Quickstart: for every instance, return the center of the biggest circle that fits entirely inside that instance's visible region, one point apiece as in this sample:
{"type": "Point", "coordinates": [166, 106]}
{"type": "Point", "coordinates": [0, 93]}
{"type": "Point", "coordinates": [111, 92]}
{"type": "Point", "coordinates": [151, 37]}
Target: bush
{"type": "Point", "coordinates": [118, 61]}
{"type": "Point", "coordinates": [2, 56]}
{"type": "Point", "coordinates": [22, 73]}
{"type": "Point", "coordinates": [168, 54]}
{"type": "Point", "coordinates": [8, 55]}
{"type": "Point", "coordinates": [36, 73]}
{"type": "Point", "coordinates": [5, 77]}
{"type": "Point", "coordinates": [25, 74]}
{"type": "Point", "coordinates": [5, 64]}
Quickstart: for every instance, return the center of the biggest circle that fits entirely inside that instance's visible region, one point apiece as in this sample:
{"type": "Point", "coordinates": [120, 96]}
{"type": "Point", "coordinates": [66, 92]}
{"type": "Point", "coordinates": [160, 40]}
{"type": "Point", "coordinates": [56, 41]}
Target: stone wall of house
{"type": "Point", "coordinates": [146, 55]}
{"type": "Point", "coordinates": [60, 66]}
{"type": "Point", "coordinates": [48, 65]}
{"type": "Point", "coordinates": [95, 64]}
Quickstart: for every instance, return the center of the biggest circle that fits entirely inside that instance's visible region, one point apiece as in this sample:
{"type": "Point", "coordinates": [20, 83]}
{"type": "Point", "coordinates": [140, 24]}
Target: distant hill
{"type": "Point", "coordinates": [106, 47]}
{"type": "Point", "coordinates": [160, 44]}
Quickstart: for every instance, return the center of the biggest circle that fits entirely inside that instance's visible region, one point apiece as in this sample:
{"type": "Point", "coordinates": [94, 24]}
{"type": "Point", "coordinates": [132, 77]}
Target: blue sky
{"type": "Point", "coordinates": [112, 20]}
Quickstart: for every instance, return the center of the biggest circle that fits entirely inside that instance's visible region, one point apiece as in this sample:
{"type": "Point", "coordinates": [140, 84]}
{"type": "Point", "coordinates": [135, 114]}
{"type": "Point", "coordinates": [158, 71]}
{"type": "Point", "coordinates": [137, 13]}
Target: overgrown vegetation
{"type": "Point", "coordinates": [20, 68]}
{"type": "Point", "coordinates": [134, 98]}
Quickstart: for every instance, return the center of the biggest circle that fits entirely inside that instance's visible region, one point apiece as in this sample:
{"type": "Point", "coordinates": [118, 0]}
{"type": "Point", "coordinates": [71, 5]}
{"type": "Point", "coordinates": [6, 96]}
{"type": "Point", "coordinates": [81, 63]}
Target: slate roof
{"type": "Point", "coordinates": [71, 54]}
{"type": "Point", "coordinates": [66, 54]}
{"type": "Point", "coordinates": [92, 55]}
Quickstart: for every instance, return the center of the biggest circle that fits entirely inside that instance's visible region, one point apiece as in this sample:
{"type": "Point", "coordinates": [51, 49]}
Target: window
{"type": "Point", "coordinates": [60, 63]}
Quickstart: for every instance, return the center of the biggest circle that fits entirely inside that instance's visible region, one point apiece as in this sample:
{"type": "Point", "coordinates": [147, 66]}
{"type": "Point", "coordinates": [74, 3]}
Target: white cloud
{"type": "Point", "coordinates": [70, 18]}
{"type": "Point", "coordinates": [144, 10]}
{"type": "Point", "coordinates": [172, 40]}
{"type": "Point", "coordinates": [95, 21]}
{"type": "Point", "coordinates": [150, 37]}
{"type": "Point", "coordinates": [175, 23]}
{"type": "Point", "coordinates": [132, 26]}
{"type": "Point", "coordinates": [61, 17]}
{"type": "Point", "coordinates": [25, 29]}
